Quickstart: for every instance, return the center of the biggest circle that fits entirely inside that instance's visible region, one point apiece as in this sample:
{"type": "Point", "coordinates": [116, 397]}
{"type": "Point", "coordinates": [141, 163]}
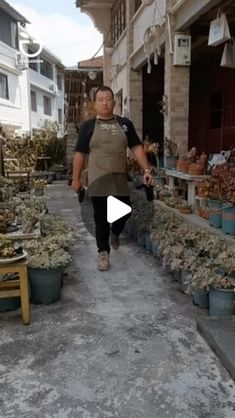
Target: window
{"type": "Point", "coordinates": [118, 19]}
{"type": "Point", "coordinates": [60, 116]}
{"type": "Point", "coordinates": [46, 69]}
{"type": "Point", "coordinates": [14, 37]}
{"type": "Point", "coordinates": [59, 81]}
{"type": "Point", "coordinates": [33, 65]}
{"type": "Point", "coordinates": [47, 105]}
{"type": "Point", "coordinates": [33, 101]}
{"type": "Point", "coordinates": [4, 92]}
{"type": "Point", "coordinates": [216, 104]}
{"type": "Point", "coordinates": [8, 30]}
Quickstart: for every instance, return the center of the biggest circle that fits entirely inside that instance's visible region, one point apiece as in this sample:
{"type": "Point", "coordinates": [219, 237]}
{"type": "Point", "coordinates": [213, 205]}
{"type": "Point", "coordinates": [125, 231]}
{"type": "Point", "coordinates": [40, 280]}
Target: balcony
{"type": "Point", "coordinates": [98, 11]}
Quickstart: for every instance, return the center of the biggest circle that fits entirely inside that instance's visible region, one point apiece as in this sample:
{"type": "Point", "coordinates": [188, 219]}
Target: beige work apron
{"type": "Point", "coordinates": [107, 160]}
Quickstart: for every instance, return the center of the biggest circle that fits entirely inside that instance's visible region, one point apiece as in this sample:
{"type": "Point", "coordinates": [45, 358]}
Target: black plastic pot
{"type": "Point", "coordinates": [45, 285]}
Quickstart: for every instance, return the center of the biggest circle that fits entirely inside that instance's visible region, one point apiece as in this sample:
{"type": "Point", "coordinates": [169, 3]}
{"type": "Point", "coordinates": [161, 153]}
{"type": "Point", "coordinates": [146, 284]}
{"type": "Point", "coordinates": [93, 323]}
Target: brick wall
{"type": "Point", "coordinates": [134, 81]}
{"type": "Point", "coordinates": [177, 96]}
{"type": "Point", "coordinates": [71, 141]}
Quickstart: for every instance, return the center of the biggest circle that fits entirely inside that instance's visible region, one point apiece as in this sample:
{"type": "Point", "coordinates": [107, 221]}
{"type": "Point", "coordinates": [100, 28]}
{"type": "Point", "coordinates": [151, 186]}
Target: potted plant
{"type": "Point", "coordinates": [39, 185]}
{"type": "Point", "coordinates": [222, 198]}
{"type": "Point", "coordinates": [228, 212]}
{"type": "Point", "coordinates": [170, 153]}
{"type": "Point", "coordinates": [46, 260]}
{"type": "Point", "coordinates": [29, 219]}
{"type": "Point", "coordinates": [186, 161]}
{"type": "Point", "coordinates": [216, 197]}
{"type": "Point", "coordinates": [58, 169]}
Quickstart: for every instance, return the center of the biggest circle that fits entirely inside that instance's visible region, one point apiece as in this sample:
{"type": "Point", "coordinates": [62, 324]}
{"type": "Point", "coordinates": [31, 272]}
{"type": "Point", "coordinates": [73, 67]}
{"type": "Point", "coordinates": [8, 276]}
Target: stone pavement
{"type": "Point", "coordinates": [119, 344]}
{"type": "Point", "coordinates": [219, 332]}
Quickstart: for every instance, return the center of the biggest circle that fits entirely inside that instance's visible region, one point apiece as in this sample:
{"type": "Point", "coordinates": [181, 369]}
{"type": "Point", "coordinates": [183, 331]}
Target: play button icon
{"type": "Point", "coordinates": [116, 209]}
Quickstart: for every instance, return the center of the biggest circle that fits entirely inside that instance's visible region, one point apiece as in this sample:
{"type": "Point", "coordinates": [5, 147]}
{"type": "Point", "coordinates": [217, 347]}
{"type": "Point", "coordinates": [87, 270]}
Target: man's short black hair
{"type": "Point", "coordinates": [104, 88]}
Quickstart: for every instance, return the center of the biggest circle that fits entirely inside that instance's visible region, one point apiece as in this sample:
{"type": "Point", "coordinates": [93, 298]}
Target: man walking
{"type": "Point", "coordinates": [106, 138]}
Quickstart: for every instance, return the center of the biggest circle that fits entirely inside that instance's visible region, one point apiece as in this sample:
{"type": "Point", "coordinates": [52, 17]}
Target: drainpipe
{"type": "Point", "coordinates": [169, 33]}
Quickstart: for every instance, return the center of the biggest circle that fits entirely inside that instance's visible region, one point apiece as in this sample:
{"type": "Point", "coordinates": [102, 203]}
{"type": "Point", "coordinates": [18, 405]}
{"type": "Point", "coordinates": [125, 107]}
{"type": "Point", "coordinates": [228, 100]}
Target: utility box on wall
{"type": "Point", "coordinates": [182, 50]}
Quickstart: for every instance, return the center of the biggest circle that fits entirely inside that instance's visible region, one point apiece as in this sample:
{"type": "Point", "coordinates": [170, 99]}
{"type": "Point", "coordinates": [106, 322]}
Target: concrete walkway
{"type": "Point", "coordinates": [119, 344]}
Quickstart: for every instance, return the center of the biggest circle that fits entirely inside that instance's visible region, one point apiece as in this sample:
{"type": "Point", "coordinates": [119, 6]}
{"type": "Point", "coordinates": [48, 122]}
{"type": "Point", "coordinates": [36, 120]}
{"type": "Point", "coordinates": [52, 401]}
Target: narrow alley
{"type": "Point", "coordinates": [119, 344]}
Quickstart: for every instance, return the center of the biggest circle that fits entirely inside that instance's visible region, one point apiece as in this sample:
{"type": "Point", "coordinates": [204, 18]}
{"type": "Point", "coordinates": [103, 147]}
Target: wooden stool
{"type": "Point", "coordinates": [17, 287]}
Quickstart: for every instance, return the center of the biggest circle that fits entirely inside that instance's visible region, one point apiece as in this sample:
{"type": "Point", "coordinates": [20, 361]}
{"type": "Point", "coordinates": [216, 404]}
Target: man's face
{"type": "Point", "coordinates": [104, 103]}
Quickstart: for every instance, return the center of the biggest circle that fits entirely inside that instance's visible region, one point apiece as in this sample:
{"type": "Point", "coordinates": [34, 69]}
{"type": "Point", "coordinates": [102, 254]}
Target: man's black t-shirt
{"type": "Point", "coordinates": [87, 128]}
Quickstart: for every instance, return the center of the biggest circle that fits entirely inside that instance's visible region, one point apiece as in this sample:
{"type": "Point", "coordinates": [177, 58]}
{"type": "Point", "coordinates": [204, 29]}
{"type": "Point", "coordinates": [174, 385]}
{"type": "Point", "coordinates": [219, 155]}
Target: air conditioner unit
{"type": "Point", "coordinates": [182, 50]}
{"type": "Point", "coordinates": [21, 62]}
{"type": "Point", "coordinates": [54, 88]}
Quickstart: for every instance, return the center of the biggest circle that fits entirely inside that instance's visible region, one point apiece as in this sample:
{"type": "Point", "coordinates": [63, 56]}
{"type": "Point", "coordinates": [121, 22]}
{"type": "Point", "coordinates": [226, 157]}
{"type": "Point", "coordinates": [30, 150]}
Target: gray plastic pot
{"type": "Point", "coordinates": [201, 298]}
{"type": "Point", "coordinates": [221, 302]}
{"type": "Point", "coordinates": [141, 239]}
{"type": "Point", "coordinates": [155, 249]}
{"type": "Point", "coordinates": [148, 242]}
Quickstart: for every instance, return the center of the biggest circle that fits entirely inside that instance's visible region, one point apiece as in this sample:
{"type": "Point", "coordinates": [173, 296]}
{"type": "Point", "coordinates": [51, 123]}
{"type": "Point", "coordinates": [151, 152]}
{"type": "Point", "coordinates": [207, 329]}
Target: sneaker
{"type": "Point", "coordinates": [114, 241]}
{"type": "Point", "coordinates": [103, 261]}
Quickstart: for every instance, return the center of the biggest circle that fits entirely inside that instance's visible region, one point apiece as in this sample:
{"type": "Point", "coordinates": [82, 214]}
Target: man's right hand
{"type": "Point", "coordinates": [76, 184]}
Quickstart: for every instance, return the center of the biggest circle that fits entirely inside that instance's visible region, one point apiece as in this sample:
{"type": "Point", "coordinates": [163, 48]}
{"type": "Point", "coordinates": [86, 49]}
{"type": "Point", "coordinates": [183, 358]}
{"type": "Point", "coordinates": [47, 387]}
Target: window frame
{"type": "Point", "coordinates": [46, 69]}
{"type": "Point", "coordinates": [60, 114]}
{"type": "Point", "coordinates": [47, 111]}
{"type": "Point", "coordinates": [6, 96]}
{"type": "Point", "coordinates": [33, 92]}
{"type": "Point", "coordinates": [118, 19]}
{"type": "Point", "coordinates": [59, 83]}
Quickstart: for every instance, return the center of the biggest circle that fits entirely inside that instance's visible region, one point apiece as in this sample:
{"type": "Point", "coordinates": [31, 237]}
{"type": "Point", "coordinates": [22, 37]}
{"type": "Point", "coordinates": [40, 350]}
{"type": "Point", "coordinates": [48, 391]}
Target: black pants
{"type": "Point", "coordinates": [102, 226]}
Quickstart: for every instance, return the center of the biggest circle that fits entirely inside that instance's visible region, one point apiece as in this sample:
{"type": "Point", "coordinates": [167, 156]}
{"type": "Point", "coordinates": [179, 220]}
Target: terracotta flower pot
{"type": "Point", "coordinates": [185, 210]}
{"type": "Point", "coordinates": [183, 166]}
{"type": "Point", "coordinates": [195, 170]}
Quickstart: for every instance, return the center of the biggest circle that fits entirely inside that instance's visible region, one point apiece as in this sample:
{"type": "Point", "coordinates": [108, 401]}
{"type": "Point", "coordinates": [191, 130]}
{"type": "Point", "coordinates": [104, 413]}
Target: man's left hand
{"type": "Point", "coordinates": [148, 179]}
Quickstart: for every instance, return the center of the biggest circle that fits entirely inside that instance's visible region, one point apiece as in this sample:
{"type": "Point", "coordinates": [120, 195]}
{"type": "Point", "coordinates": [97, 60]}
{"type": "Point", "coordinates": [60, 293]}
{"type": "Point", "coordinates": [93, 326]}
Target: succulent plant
{"type": "Point", "coordinates": [183, 246]}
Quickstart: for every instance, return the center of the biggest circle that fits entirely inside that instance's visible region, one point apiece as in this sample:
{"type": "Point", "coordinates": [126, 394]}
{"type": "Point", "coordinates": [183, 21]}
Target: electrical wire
{"type": "Point", "coordinates": [154, 22]}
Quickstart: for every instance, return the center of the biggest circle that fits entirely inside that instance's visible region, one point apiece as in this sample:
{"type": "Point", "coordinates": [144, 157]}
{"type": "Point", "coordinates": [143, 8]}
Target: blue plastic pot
{"type": "Point", "coordinates": [215, 215]}
{"type": "Point", "coordinates": [221, 302]}
{"type": "Point", "coordinates": [228, 220]}
{"type": "Point", "coordinates": [9, 304]}
{"type": "Point", "coordinates": [201, 298]}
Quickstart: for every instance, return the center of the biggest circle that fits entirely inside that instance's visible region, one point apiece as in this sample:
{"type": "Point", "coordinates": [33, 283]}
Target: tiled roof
{"type": "Point", "coordinates": [92, 63]}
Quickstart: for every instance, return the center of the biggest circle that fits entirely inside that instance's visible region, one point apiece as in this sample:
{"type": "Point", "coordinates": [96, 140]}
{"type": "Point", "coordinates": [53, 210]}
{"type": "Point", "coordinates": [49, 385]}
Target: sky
{"type": "Point", "coordinates": [62, 28]}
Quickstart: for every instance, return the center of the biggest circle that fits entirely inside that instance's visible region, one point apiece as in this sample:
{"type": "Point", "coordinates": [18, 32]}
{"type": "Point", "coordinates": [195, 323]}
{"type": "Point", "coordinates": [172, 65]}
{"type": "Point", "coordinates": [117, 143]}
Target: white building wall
{"type": "Point", "coordinates": [14, 111]}
{"type": "Point", "coordinates": [41, 85]}
{"type": "Point", "coordinates": [145, 17]}
{"type": "Point", "coordinates": [119, 68]}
